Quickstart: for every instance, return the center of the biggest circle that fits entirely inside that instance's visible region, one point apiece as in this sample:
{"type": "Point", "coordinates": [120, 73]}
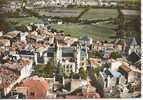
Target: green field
{"type": "Point", "coordinates": [23, 21]}
{"type": "Point", "coordinates": [97, 14]}
{"type": "Point", "coordinates": [98, 32]}
{"type": "Point", "coordinates": [60, 12]}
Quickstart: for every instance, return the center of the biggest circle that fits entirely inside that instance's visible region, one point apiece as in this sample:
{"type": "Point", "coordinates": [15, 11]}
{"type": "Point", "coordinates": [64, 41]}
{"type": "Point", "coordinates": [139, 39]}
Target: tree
{"type": "Point", "coordinates": [95, 54]}
{"type": "Point", "coordinates": [96, 70]}
{"type": "Point", "coordinates": [50, 68]}
{"type": "Point", "coordinates": [59, 72]}
{"type": "Point", "coordinates": [45, 70]}
{"type": "Point", "coordinates": [115, 55]}
{"type": "Point", "coordinates": [83, 73]}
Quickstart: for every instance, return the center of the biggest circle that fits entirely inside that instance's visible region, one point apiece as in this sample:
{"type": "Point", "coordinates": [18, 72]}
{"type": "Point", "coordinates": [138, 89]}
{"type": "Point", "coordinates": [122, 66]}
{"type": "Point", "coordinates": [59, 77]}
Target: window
{"type": "Point", "coordinates": [82, 58]}
{"type": "Point", "coordinates": [67, 66]}
{"type": "Point", "coordinates": [82, 64]}
{"type": "Point", "coordinates": [70, 66]}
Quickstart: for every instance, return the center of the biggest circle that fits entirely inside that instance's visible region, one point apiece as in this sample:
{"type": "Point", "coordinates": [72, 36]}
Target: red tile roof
{"type": "Point", "coordinates": [36, 88]}
{"type": "Point", "coordinates": [7, 77]}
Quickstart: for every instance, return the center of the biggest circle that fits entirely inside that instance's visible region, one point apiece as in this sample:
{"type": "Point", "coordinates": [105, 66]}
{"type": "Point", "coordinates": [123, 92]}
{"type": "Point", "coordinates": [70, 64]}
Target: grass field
{"type": "Point", "coordinates": [23, 21]}
{"type": "Point", "coordinates": [60, 12]}
{"type": "Point", "coordinates": [97, 14]}
{"type": "Point", "coordinates": [98, 32]}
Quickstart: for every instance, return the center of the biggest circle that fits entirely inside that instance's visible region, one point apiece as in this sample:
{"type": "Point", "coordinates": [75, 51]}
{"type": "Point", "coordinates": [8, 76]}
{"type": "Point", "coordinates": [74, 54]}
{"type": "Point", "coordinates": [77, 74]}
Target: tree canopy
{"type": "Point", "coordinates": [83, 73]}
{"type": "Point", "coordinates": [45, 70]}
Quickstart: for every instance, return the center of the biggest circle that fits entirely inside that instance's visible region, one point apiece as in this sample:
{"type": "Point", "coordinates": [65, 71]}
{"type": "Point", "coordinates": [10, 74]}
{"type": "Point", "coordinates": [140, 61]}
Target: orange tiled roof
{"type": "Point", "coordinates": [38, 87]}
{"type": "Point", "coordinates": [125, 68]}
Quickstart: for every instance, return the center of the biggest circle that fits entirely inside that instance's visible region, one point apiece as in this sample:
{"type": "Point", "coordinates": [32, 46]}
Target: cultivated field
{"type": "Point", "coordinates": [60, 12]}
{"type": "Point", "coordinates": [98, 31]}
{"type": "Point", "coordinates": [99, 14]}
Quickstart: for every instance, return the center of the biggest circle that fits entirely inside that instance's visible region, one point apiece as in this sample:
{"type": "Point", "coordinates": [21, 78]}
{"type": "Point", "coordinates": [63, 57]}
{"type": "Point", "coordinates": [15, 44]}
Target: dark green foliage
{"type": "Point", "coordinates": [83, 73]}
{"type": "Point", "coordinates": [95, 54]}
{"type": "Point", "coordinates": [96, 70]}
{"type": "Point", "coordinates": [115, 55]}
{"type": "Point", "coordinates": [75, 76]}
{"type": "Point", "coordinates": [59, 72]}
{"type": "Point", "coordinates": [45, 70]}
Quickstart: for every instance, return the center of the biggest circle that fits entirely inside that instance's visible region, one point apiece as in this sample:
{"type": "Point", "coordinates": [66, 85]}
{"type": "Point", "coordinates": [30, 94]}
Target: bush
{"type": "Point", "coordinates": [45, 70]}
{"type": "Point", "coordinates": [115, 55]}
{"type": "Point", "coordinates": [95, 54]}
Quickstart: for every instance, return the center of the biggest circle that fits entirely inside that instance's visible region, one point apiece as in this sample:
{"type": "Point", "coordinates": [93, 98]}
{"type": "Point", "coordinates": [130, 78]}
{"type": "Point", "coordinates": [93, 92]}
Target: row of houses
{"type": "Point", "coordinates": [21, 51]}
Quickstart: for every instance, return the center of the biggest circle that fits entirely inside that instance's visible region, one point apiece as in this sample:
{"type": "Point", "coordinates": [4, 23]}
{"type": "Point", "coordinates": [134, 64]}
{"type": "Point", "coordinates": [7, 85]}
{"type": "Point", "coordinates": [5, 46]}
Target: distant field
{"type": "Point", "coordinates": [96, 14]}
{"type": "Point", "coordinates": [93, 13]}
{"type": "Point", "coordinates": [60, 12]}
{"type": "Point", "coordinates": [98, 32]}
{"type": "Point", "coordinates": [23, 21]}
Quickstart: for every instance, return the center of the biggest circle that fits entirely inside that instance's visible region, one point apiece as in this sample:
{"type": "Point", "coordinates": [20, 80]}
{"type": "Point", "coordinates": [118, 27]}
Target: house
{"type": "Point", "coordinates": [130, 73]}
{"type": "Point", "coordinates": [86, 40]}
{"type": "Point", "coordinates": [7, 77]}
{"type": "Point", "coordinates": [12, 36]}
{"type": "Point", "coordinates": [79, 83]}
{"type": "Point", "coordinates": [4, 42]}
{"type": "Point", "coordinates": [133, 45]}
{"type": "Point", "coordinates": [33, 88]}
{"type": "Point", "coordinates": [95, 62]}
{"type": "Point", "coordinates": [23, 36]}
{"type": "Point", "coordinates": [107, 52]}
{"type": "Point", "coordinates": [115, 65]}
{"type": "Point", "coordinates": [26, 53]}
{"type": "Point", "coordinates": [82, 89]}
{"type": "Point", "coordinates": [134, 57]}
{"type": "Point", "coordinates": [40, 53]}
{"type": "Point", "coordinates": [109, 79]}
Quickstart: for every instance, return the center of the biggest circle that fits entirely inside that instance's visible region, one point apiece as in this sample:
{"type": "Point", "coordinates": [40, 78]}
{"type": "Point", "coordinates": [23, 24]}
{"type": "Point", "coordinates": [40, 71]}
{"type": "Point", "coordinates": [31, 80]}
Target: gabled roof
{"type": "Point", "coordinates": [67, 52]}
{"type": "Point", "coordinates": [133, 57]}
{"type": "Point", "coordinates": [125, 68]}
{"type": "Point", "coordinates": [25, 52]}
{"type": "Point", "coordinates": [134, 40]}
{"type": "Point", "coordinates": [50, 52]}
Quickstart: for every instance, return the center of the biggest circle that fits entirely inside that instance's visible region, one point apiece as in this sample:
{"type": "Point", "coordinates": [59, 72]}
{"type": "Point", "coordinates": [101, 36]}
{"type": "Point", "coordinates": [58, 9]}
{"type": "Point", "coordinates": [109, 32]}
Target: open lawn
{"type": "Point", "coordinates": [99, 14]}
{"type": "Point", "coordinates": [98, 31]}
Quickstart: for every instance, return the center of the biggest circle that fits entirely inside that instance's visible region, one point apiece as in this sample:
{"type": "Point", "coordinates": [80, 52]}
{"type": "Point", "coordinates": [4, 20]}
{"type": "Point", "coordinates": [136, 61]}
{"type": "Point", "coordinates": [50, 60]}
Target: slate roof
{"type": "Point", "coordinates": [134, 40]}
{"type": "Point", "coordinates": [25, 52]}
{"type": "Point", "coordinates": [67, 52]}
{"type": "Point", "coordinates": [116, 74]}
{"type": "Point", "coordinates": [50, 52]}
{"type": "Point", "coordinates": [133, 57]}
